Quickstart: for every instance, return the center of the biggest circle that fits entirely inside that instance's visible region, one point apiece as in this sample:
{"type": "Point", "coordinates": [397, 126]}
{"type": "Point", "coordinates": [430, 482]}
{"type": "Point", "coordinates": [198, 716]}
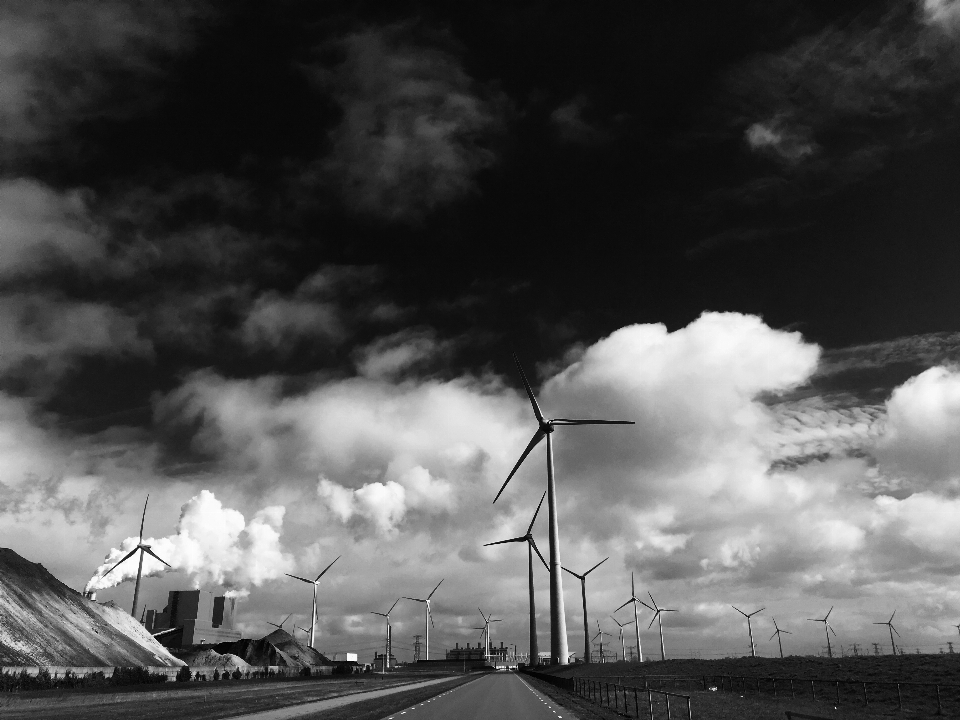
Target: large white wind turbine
{"type": "Point", "coordinates": [827, 629]}
{"type": "Point", "coordinates": [753, 647]}
{"type": "Point", "coordinates": [141, 548]}
{"type": "Point", "coordinates": [558, 624]}
{"type": "Point", "coordinates": [657, 611]}
{"type": "Point", "coordinates": [635, 600]}
{"type": "Point", "coordinates": [777, 636]}
{"type": "Point", "coordinates": [428, 616]}
{"type": "Point", "coordinates": [623, 647]}
{"type": "Point", "coordinates": [386, 662]}
{"type": "Point", "coordinates": [889, 624]}
{"type": "Point", "coordinates": [583, 594]}
{"type": "Point", "coordinates": [531, 547]}
{"type": "Point", "coordinates": [313, 582]}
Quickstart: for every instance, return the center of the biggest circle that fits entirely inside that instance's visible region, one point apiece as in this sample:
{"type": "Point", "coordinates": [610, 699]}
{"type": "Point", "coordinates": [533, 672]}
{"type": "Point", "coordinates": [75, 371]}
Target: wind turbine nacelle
{"type": "Point", "coordinates": [547, 427]}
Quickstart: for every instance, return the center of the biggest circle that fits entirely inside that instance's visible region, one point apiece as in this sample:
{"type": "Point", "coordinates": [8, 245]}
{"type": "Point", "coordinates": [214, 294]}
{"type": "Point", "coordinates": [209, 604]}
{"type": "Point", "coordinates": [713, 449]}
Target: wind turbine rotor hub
{"type": "Point", "coordinates": [547, 426]}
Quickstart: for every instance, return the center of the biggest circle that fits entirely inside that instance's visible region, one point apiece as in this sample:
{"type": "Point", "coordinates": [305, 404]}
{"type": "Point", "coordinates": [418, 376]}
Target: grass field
{"type": "Point", "coordinates": [737, 694]}
{"type": "Point", "coordinates": [206, 701]}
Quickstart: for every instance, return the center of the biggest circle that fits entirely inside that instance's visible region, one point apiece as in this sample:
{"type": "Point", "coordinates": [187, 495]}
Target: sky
{"type": "Point", "coordinates": [270, 262]}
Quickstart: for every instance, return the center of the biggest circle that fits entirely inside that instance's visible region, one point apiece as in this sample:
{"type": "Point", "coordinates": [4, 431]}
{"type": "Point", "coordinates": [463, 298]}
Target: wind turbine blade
{"type": "Point", "coordinates": [646, 606]}
{"type": "Point", "coordinates": [511, 540]}
{"type": "Point", "coordinates": [374, 612]}
{"type": "Point", "coordinates": [894, 630]}
{"type": "Point", "coordinates": [392, 607]}
{"type": "Point", "coordinates": [616, 621]}
{"type": "Point", "coordinates": [144, 518]}
{"type": "Point", "coordinates": [410, 598]}
{"type": "Point", "coordinates": [828, 613]}
{"type": "Point", "coordinates": [286, 618]}
{"type": "Point", "coordinates": [328, 567]}
{"type": "Point", "coordinates": [530, 529]}
{"type": "Point", "coordinates": [758, 611]}
{"type": "Point", "coordinates": [651, 622]}
{"type": "Point", "coordinates": [125, 557]}
{"type": "Point", "coordinates": [485, 619]}
{"type": "Point", "coordinates": [774, 635]}
{"type": "Point", "coordinates": [537, 437]}
{"type": "Point", "coordinates": [831, 629]}
{"type": "Point", "coordinates": [625, 604]}
{"type": "Point", "coordinates": [430, 615]}
{"type": "Point", "coordinates": [151, 552]}
{"type": "Point", "coordinates": [526, 384]}
{"type": "Point", "coordinates": [571, 572]}
{"type": "Point", "coordinates": [567, 421]}
{"type": "Point", "coordinates": [539, 554]}
{"type": "Point", "coordinates": [596, 566]}
{"type": "Point", "coordinates": [297, 577]}
{"type": "Point", "coordinates": [879, 623]}
{"type": "Point", "coordinates": [891, 617]}
{"type": "Point", "coordinates": [653, 601]}
{"type": "Point", "coordinates": [739, 610]}
{"type": "Point", "coordinates": [787, 632]}
{"type": "Point", "coordinates": [434, 590]}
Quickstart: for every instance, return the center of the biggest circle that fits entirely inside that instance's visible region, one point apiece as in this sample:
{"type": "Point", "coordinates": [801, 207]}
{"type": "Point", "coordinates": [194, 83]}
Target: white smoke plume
{"type": "Point", "coordinates": [214, 545]}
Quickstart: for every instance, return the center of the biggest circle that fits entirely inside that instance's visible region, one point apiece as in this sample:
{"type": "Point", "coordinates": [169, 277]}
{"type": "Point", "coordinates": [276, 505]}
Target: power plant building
{"type": "Point", "coordinates": [193, 617]}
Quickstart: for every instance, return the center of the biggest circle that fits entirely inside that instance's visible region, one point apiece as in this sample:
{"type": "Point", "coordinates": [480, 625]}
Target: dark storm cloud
{"type": "Point", "coordinates": [416, 129]}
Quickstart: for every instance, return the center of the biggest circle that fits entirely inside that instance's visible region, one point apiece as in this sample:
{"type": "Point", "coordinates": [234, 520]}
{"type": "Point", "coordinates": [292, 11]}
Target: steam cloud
{"type": "Point", "coordinates": [213, 544]}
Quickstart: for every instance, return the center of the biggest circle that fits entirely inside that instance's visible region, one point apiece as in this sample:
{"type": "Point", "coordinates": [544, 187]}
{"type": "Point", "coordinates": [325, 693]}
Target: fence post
{"type": "Point", "coordinates": [838, 692]}
{"type": "Point", "coordinates": [774, 687]}
{"type": "Point", "coordinates": [704, 683]}
{"type": "Point", "coordinates": [939, 707]}
{"type": "Point", "coordinates": [650, 703]}
{"type": "Point", "coordinates": [864, 694]}
{"type": "Point", "coordinates": [813, 690]}
{"type": "Point", "coordinates": [793, 693]}
{"type": "Point", "coordinates": [689, 713]}
{"type": "Point", "coordinates": [667, 699]}
{"type": "Point", "coordinates": [899, 698]}
{"type": "Point", "coordinates": [758, 686]}
{"type": "Point", "coordinates": [616, 697]}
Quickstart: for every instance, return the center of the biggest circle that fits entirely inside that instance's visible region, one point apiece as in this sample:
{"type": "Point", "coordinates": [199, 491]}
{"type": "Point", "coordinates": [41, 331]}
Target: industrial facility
{"type": "Point", "coordinates": [193, 617]}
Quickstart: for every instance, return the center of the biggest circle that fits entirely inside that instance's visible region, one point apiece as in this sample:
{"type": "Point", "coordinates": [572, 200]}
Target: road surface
{"type": "Point", "coordinates": [502, 695]}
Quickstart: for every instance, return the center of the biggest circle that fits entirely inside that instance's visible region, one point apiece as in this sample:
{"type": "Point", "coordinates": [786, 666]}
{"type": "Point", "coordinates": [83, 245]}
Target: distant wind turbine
{"type": "Point", "coordinates": [280, 626]}
{"type": "Point", "coordinates": [486, 625]}
{"type": "Point", "coordinates": [892, 629]}
{"type": "Point", "coordinates": [583, 594]}
{"type": "Point", "coordinates": [635, 600]}
{"type": "Point", "coordinates": [306, 631]}
{"type": "Point", "coordinates": [558, 623]}
{"type": "Point", "coordinates": [314, 582]}
{"type": "Point", "coordinates": [623, 647]}
{"type": "Point", "coordinates": [777, 636]}
{"type": "Point", "coordinates": [386, 662]}
{"type": "Point", "coordinates": [531, 547]}
{"type": "Point", "coordinates": [142, 549]}
{"type": "Point", "coordinates": [753, 647]}
{"type": "Point", "coordinates": [658, 610]}
{"type": "Point", "coordinates": [827, 629]}
{"type": "Point", "coordinates": [428, 616]}
{"type": "Point", "coordinates": [600, 634]}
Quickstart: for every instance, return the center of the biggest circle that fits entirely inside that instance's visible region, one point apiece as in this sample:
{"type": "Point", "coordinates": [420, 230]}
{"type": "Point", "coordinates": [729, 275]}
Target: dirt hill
{"type": "Point", "coordinates": [44, 622]}
{"type": "Point", "coordinates": [278, 648]}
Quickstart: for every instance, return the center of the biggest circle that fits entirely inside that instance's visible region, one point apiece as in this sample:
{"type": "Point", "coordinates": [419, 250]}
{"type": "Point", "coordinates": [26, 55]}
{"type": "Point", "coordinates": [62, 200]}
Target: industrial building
{"type": "Point", "coordinates": [477, 653]}
{"type": "Point", "coordinates": [193, 617]}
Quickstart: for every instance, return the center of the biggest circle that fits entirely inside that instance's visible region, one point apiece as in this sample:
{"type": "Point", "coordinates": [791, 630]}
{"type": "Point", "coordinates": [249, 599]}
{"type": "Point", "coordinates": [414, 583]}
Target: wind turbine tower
{"type": "Point", "coordinates": [583, 594]}
{"type": "Point", "coordinates": [892, 629]}
{"type": "Point", "coordinates": [141, 548]}
{"type": "Point", "coordinates": [531, 547]}
{"type": "Point", "coordinates": [623, 647]}
{"type": "Point", "coordinates": [486, 628]}
{"type": "Point", "coordinates": [427, 618]}
{"type": "Point", "coordinates": [658, 610]}
{"type": "Point", "coordinates": [827, 629]}
{"type": "Point", "coordinates": [753, 647]}
{"type": "Point", "coordinates": [635, 600]}
{"type": "Point", "coordinates": [313, 582]}
{"type": "Point", "coordinates": [386, 662]}
{"type": "Point", "coordinates": [558, 624]}
{"type": "Point", "coordinates": [777, 636]}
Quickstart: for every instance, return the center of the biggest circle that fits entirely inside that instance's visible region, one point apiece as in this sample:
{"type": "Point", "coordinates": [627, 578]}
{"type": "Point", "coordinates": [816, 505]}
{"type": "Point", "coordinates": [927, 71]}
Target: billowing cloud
{"type": "Point", "coordinates": [393, 355]}
{"type": "Point", "coordinates": [213, 544]}
{"type": "Point", "coordinates": [415, 128]}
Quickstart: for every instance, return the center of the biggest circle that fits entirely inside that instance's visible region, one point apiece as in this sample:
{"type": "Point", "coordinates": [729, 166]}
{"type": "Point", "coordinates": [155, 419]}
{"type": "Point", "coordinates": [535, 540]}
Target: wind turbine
{"type": "Point", "coordinates": [777, 636]}
{"type": "Point", "coordinates": [386, 662]}
{"type": "Point", "coordinates": [600, 634]}
{"type": "Point", "coordinates": [753, 648]}
{"type": "Point", "coordinates": [280, 626]}
{"type": "Point", "coordinates": [623, 647]}
{"type": "Point", "coordinates": [558, 623]}
{"type": "Point", "coordinates": [306, 631]}
{"type": "Point", "coordinates": [486, 627]}
{"type": "Point", "coordinates": [142, 549]}
{"type": "Point", "coordinates": [531, 547]}
{"type": "Point", "coordinates": [314, 582]}
{"type": "Point", "coordinates": [583, 593]}
{"type": "Point", "coordinates": [658, 610]}
{"type": "Point", "coordinates": [634, 599]}
{"type": "Point", "coordinates": [889, 624]}
{"type": "Point", "coordinates": [428, 616]}
{"type": "Point", "coordinates": [827, 627]}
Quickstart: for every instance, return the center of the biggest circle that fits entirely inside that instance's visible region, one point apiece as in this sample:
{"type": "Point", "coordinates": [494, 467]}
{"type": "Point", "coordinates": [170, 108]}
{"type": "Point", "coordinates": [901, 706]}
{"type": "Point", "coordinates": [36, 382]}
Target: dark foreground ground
{"type": "Point", "coordinates": [739, 698]}
{"type": "Point", "coordinates": [212, 700]}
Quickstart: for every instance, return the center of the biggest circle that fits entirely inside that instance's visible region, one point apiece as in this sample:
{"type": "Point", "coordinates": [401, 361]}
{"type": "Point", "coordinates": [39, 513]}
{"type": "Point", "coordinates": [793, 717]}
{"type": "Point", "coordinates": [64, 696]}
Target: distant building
{"type": "Point", "coordinates": [477, 653]}
{"type": "Point", "coordinates": [378, 661]}
{"type": "Point", "coordinates": [193, 617]}
{"type": "Point", "coordinates": [345, 657]}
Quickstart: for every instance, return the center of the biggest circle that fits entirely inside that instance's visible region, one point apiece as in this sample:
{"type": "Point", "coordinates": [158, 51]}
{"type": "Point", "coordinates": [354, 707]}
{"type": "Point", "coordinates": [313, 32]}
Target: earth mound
{"type": "Point", "coordinates": [211, 658]}
{"type": "Point", "coordinates": [278, 648]}
{"type": "Point", "coordinates": [44, 622]}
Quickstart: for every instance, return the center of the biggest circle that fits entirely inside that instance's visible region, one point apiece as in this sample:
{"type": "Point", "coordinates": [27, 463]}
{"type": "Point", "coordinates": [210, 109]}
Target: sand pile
{"type": "Point", "coordinates": [278, 648]}
{"type": "Point", "coordinates": [211, 658]}
{"type": "Point", "coordinates": [44, 622]}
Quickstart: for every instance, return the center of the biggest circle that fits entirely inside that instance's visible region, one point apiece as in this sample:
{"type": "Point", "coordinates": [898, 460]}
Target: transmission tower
{"type": "Point", "coordinates": [876, 648]}
{"type": "Point", "coordinates": [950, 645]}
{"type": "Point", "coordinates": [416, 647]}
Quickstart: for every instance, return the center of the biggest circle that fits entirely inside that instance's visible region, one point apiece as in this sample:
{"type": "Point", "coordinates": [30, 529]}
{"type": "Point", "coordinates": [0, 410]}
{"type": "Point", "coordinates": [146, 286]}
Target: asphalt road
{"type": "Point", "coordinates": [502, 695]}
